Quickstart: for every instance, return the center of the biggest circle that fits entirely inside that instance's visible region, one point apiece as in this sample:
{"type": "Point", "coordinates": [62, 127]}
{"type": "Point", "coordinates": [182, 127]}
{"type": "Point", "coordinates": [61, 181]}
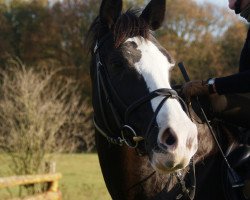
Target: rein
{"type": "Point", "coordinates": [234, 178]}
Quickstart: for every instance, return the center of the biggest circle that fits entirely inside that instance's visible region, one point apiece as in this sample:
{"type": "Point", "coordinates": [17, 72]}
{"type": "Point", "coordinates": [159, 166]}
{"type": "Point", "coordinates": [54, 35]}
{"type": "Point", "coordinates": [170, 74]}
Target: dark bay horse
{"type": "Point", "coordinates": [146, 142]}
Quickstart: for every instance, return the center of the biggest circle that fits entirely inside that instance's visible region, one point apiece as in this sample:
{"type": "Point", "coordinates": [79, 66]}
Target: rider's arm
{"type": "Point", "coordinates": [240, 82]}
{"type": "Point", "coordinates": [237, 83]}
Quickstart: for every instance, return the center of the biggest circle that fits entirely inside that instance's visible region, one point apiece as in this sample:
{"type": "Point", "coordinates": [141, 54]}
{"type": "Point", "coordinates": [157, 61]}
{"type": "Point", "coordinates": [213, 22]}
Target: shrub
{"type": "Point", "coordinates": [38, 116]}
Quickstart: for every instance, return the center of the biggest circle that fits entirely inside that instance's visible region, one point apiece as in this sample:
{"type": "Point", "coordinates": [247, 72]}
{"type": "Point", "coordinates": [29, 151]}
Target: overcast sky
{"type": "Point", "coordinates": [223, 3]}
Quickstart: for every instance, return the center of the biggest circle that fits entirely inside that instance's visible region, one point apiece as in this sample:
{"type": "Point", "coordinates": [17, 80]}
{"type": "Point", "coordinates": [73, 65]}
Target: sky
{"type": "Point", "coordinates": [223, 3]}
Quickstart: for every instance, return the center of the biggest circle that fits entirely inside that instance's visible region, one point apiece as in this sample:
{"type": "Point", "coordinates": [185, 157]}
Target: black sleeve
{"type": "Point", "coordinates": [245, 55]}
{"type": "Point", "coordinates": [240, 82]}
{"type": "Point", "coordinates": [237, 83]}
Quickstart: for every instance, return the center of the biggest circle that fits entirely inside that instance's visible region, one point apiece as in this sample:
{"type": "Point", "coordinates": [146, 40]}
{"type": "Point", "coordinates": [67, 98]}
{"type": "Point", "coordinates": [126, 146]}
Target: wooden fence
{"type": "Point", "coordinates": [52, 193]}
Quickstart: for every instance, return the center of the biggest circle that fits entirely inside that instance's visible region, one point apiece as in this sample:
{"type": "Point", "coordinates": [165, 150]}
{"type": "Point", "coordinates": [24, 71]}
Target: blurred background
{"type": "Point", "coordinates": [45, 89]}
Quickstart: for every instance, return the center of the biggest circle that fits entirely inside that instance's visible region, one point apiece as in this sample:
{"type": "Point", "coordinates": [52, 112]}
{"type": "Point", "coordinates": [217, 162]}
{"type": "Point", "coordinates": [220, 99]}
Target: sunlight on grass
{"type": "Point", "coordinates": [82, 178]}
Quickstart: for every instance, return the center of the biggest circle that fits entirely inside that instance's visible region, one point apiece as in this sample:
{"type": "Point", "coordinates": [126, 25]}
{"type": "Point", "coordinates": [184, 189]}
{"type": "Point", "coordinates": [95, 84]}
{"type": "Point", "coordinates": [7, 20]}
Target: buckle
{"type": "Point", "coordinates": [130, 137]}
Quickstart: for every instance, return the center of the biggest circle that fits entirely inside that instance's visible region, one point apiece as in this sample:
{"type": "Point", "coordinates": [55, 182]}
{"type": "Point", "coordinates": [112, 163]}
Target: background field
{"type": "Point", "coordinates": [82, 179]}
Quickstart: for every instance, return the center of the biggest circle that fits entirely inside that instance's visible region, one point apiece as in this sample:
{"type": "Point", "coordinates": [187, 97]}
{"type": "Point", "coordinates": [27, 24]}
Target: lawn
{"type": "Point", "coordinates": [82, 178]}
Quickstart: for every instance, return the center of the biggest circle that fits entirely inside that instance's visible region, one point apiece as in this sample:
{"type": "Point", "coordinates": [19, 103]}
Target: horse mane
{"type": "Point", "coordinates": [128, 25]}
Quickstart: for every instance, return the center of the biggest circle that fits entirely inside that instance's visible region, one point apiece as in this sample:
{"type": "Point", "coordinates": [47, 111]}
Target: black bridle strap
{"type": "Point", "coordinates": [154, 117]}
{"type": "Point", "coordinates": [109, 101]}
{"type": "Point", "coordinates": [100, 42]}
{"type": "Point", "coordinates": [99, 86]}
{"type": "Point", "coordinates": [102, 81]}
{"type": "Point", "coordinates": [105, 75]}
{"type": "Point", "coordinates": [157, 93]}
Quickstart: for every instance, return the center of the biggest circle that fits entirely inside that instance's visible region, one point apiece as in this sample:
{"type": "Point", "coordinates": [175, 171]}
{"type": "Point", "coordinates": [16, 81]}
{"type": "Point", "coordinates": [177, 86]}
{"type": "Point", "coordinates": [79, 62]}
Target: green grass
{"type": "Point", "coordinates": [82, 178]}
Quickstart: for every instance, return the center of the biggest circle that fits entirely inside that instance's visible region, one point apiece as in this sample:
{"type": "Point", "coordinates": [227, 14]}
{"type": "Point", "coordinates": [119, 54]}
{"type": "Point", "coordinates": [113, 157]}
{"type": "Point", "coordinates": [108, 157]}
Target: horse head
{"type": "Point", "coordinates": [132, 95]}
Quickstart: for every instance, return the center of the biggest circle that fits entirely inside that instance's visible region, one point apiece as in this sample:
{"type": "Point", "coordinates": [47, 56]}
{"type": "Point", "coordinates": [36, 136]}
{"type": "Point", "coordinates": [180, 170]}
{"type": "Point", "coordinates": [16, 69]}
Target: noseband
{"type": "Point", "coordinates": [127, 134]}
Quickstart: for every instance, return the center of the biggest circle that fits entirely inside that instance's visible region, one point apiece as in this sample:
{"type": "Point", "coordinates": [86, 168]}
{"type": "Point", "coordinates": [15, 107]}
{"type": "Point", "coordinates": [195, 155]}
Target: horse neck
{"type": "Point", "coordinates": [127, 175]}
{"type": "Point", "coordinates": [207, 145]}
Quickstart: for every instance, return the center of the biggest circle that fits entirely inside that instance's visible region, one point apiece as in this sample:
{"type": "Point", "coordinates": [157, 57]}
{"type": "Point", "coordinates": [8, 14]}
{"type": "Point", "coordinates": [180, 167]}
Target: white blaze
{"type": "Point", "coordinates": [154, 67]}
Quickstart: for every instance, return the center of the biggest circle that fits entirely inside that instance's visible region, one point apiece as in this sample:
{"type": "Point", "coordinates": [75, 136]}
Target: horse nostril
{"type": "Point", "coordinates": [169, 138]}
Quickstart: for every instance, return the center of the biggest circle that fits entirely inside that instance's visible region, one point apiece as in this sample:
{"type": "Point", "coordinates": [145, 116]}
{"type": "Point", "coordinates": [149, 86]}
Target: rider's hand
{"type": "Point", "coordinates": [195, 88]}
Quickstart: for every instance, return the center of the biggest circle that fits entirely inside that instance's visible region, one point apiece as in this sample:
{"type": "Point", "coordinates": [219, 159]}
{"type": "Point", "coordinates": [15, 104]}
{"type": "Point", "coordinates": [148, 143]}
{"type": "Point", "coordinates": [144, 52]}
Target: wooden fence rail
{"type": "Point", "coordinates": [52, 193]}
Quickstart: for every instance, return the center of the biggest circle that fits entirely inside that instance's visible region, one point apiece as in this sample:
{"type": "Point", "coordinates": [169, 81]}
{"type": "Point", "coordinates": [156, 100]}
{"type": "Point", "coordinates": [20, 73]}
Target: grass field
{"type": "Point", "coordinates": [82, 179]}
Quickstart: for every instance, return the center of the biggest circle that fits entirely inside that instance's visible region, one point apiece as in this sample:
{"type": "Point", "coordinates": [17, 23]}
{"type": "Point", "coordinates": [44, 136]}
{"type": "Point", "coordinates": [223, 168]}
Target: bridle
{"type": "Point", "coordinates": [128, 135]}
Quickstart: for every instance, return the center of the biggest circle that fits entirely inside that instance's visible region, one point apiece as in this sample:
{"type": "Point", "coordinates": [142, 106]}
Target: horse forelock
{"type": "Point", "coordinates": [128, 25]}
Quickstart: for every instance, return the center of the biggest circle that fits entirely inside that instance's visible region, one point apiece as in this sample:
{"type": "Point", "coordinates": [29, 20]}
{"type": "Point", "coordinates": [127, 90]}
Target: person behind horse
{"type": "Point", "coordinates": [230, 95]}
{"type": "Point", "coordinates": [236, 83]}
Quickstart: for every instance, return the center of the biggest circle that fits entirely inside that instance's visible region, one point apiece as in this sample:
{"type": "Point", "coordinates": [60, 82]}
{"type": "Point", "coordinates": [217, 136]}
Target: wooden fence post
{"type": "Point", "coordinates": [52, 193]}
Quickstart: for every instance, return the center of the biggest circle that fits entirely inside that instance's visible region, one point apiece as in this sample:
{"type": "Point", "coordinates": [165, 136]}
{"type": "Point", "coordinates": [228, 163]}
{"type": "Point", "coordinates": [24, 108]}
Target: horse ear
{"type": "Point", "coordinates": [154, 13]}
{"type": "Point", "coordinates": [110, 11]}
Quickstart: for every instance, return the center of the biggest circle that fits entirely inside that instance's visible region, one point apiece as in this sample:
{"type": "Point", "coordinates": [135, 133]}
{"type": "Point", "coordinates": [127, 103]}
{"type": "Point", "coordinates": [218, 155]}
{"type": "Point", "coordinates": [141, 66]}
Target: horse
{"type": "Point", "coordinates": [150, 144]}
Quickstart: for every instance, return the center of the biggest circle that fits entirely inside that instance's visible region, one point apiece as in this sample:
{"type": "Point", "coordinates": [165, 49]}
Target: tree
{"type": "Point", "coordinates": [231, 44]}
{"type": "Point", "coordinates": [51, 37]}
{"type": "Point", "coordinates": [5, 34]}
{"type": "Point", "coordinates": [191, 34]}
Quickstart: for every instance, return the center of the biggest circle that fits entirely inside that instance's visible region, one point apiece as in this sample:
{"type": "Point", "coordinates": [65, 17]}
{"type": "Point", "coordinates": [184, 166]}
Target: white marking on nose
{"type": "Point", "coordinates": [154, 66]}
